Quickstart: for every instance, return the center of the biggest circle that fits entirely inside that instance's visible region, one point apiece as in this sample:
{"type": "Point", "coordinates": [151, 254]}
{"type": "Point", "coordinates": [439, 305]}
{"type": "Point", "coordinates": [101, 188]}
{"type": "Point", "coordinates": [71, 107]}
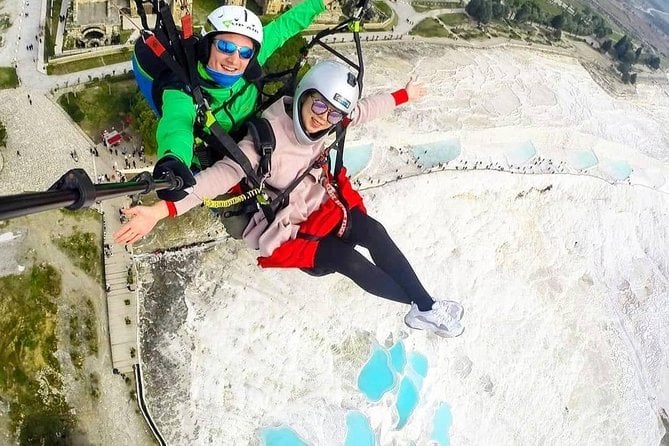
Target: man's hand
{"type": "Point", "coordinates": [142, 221]}
{"type": "Point", "coordinates": [171, 165]}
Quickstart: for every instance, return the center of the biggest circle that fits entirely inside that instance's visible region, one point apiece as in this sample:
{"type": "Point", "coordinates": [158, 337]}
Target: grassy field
{"type": "Point", "coordinates": [91, 62]}
{"type": "Point", "coordinates": [202, 8]}
{"type": "Point", "coordinates": [5, 21]}
{"type": "Point", "coordinates": [548, 7]}
{"type": "Point", "coordinates": [8, 78]}
{"type": "Point", "coordinates": [27, 355]}
{"type": "Point", "coordinates": [454, 19]}
{"type": "Point", "coordinates": [103, 104]}
{"type": "Point", "coordinates": [82, 333]}
{"type": "Point", "coordinates": [429, 28]}
{"type": "Point", "coordinates": [82, 248]}
{"type": "Point", "coordinates": [428, 6]}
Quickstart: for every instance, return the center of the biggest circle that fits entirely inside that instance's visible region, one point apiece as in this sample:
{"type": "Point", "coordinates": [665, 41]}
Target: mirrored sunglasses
{"type": "Point", "coordinates": [227, 47]}
{"type": "Point", "coordinates": [319, 107]}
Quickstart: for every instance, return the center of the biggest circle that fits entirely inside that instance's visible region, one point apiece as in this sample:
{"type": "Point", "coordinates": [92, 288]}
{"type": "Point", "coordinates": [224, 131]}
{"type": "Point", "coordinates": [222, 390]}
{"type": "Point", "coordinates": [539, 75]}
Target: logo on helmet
{"type": "Point", "coordinates": [342, 101]}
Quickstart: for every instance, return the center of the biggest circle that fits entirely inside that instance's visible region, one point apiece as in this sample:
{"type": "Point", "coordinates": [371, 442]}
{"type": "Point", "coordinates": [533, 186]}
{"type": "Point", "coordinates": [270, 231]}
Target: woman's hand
{"type": "Point", "coordinates": [142, 221]}
{"type": "Point", "coordinates": [415, 90]}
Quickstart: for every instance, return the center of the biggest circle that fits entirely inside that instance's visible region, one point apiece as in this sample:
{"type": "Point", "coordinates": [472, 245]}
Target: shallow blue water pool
{"type": "Point", "coordinates": [583, 159]}
{"type": "Point", "coordinates": [356, 158]}
{"type": "Point", "coordinates": [398, 356]}
{"type": "Point", "coordinates": [407, 400]}
{"type": "Point", "coordinates": [432, 154]}
{"type": "Point", "coordinates": [442, 423]}
{"type": "Point", "coordinates": [418, 362]}
{"type": "Point", "coordinates": [359, 432]}
{"type": "Point", "coordinates": [281, 436]}
{"type": "Point", "coordinates": [618, 169]}
{"type": "Point", "coordinates": [376, 377]}
{"type": "Point", "coordinates": [521, 154]}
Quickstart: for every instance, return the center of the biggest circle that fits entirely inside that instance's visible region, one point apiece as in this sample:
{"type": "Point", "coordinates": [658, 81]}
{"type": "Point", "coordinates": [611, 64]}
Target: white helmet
{"type": "Point", "coordinates": [235, 19]}
{"type": "Point", "coordinates": [336, 83]}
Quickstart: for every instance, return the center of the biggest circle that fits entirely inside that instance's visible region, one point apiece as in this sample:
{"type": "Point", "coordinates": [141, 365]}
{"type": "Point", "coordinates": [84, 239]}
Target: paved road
{"type": "Point", "coordinates": [28, 22]}
{"type": "Point", "coordinates": [27, 18]}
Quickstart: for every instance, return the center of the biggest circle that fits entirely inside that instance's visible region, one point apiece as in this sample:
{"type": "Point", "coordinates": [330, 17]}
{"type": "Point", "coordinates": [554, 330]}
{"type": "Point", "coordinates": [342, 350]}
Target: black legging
{"type": "Point", "coordinates": [390, 276]}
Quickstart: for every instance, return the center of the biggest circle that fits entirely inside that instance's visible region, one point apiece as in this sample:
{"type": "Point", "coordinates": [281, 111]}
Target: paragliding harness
{"type": "Point", "coordinates": [237, 207]}
{"type": "Point", "coordinates": [164, 58]}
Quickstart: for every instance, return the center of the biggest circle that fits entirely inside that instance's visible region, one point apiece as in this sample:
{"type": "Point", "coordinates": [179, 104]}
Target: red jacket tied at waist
{"type": "Point", "coordinates": [300, 252]}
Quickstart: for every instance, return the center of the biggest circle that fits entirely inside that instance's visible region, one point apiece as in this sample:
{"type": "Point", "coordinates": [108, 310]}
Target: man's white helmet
{"type": "Point", "coordinates": [336, 83]}
{"type": "Point", "coordinates": [235, 19]}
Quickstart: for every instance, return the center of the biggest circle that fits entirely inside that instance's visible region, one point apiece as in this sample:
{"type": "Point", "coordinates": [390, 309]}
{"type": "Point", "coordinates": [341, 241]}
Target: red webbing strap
{"type": "Point", "coordinates": [154, 44]}
{"type": "Point", "coordinates": [332, 192]}
{"type": "Point", "coordinates": [187, 26]}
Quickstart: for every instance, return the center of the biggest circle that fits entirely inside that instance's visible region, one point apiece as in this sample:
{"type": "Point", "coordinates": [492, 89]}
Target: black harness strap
{"type": "Point", "coordinates": [173, 35]}
{"type": "Point", "coordinates": [265, 142]}
{"type": "Point", "coordinates": [278, 201]}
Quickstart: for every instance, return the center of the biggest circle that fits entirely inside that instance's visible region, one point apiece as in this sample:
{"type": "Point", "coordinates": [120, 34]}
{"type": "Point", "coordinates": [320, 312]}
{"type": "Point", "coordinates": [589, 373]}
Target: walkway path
{"type": "Point", "coordinates": [121, 297]}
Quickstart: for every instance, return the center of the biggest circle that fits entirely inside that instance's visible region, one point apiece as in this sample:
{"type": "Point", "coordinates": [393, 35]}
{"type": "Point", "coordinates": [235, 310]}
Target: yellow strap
{"type": "Point", "coordinates": [235, 200]}
{"type": "Point", "coordinates": [209, 118]}
{"type": "Point", "coordinates": [223, 203]}
{"type": "Point", "coordinates": [354, 26]}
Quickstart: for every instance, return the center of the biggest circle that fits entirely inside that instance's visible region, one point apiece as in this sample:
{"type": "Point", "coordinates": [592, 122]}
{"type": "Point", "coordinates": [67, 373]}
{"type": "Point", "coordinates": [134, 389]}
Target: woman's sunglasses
{"type": "Point", "coordinates": [319, 107]}
{"type": "Point", "coordinates": [226, 47]}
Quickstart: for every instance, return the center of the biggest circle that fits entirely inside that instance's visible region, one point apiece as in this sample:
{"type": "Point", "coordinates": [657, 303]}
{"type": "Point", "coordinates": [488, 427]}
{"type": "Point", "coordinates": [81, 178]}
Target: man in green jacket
{"type": "Point", "coordinates": [235, 39]}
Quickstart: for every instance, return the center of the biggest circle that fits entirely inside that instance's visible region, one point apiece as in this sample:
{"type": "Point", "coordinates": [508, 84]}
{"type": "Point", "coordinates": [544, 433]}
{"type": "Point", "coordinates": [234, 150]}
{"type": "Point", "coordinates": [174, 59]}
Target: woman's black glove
{"type": "Point", "coordinates": [170, 166]}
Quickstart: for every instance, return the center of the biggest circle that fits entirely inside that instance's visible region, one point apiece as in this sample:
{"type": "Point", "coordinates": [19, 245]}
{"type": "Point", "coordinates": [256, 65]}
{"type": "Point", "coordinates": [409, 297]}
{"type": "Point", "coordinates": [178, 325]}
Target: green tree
{"type": "Point", "coordinates": [481, 10]}
{"type": "Point", "coordinates": [523, 13]}
{"type": "Point", "coordinates": [473, 8]}
{"type": "Point", "coordinates": [145, 122]}
{"type": "Point", "coordinates": [486, 12]}
{"type": "Point", "coordinates": [625, 68]}
{"type": "Point", "coordinates": [558, 21]}
{"type": "Point", "coordinates": [499, 10]}
{"type": "Point", "coordinates": [601, 30]}
{"type": "Point", "coordinates": [70, 104]}
{"type": "Point", "coordinates": [606, 45]}
{"type": "Point", "coordinates": [629, 57]}
{"type": "Point", "coordinates": [284, 59]}
{"type": "Point", "coordinates": [653, 62]}
{"type": "Point", "coordinates": [622, 46]}
{"type": "Point", "coordinates": [3, 134]}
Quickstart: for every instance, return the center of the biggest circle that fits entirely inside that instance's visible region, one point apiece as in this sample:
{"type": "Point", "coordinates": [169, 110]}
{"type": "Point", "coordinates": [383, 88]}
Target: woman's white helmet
{"type": "Point", "coordinates": [235, 19]}
{"type": "Point", "coordinates": [336, 83]}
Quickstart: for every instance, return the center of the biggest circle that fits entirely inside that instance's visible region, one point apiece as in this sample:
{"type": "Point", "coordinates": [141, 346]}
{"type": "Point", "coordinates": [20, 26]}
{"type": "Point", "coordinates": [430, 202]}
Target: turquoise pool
{"type": "Point", "coordinates": [393, 371]}
{"type": "Point", "coordinates": [281, 436]}
{"type": "Point", "coordinates": [583, 159]}
{"type": "Point", "coordinates": [435, 153]}
{"type": "Point", "coordinates": [521, 154]}
{"type": "Point", "coordinates": [618, 169]}
{"type": "Point", "coordinates": [359, 432]}
{"type": "Point", "coordinates": [376, 377]}
{"type": "Point", "coordinates": [407, 401]}
{"type": "Point", "coordinates": [356, 158]}
{"type": "Point", "coordinates": [398, 356]}
{"type": "Point", "coordinates": [442, 424]}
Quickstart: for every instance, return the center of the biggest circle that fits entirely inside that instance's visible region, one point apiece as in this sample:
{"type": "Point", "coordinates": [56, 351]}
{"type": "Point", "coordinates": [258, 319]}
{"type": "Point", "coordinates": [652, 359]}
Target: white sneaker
{"type": "Point", "coordinates": [453, 308]}
{"type": "Point", "coordinates": [436, 320]}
